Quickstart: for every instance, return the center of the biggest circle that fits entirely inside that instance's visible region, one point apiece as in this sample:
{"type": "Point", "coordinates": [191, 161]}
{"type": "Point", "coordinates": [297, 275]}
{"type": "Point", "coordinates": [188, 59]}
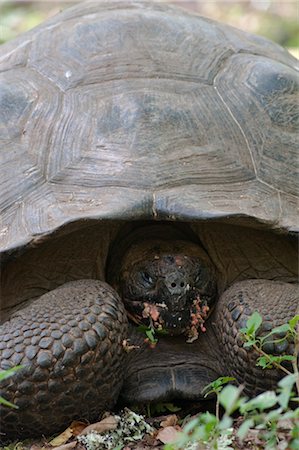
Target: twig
{"type": "Point", "coordinates": [275, 364]}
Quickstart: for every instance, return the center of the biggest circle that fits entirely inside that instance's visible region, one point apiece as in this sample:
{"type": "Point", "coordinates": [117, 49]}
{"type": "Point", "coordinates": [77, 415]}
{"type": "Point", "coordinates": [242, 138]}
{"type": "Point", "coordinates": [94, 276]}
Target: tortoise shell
{"type": "Point", "coordinates": [129, 110]}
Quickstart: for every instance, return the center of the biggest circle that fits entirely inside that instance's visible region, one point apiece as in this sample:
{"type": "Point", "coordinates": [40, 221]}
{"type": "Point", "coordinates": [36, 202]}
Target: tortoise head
{"type": "Point", "coordinates": [167, 284]}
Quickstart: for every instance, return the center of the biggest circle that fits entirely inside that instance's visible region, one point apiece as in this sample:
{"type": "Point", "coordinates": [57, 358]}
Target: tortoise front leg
{"type": "Point", "coordinates": [277, 302]}
{"type": "Point", "coordinates": [70, 343]}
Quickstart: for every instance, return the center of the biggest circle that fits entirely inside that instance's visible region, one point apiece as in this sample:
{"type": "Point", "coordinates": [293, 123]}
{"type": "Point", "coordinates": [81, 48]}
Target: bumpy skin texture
{"type": "Point", "coordinates": [276, 302]}
{"type": "Point", "coordinates": [70, 343]}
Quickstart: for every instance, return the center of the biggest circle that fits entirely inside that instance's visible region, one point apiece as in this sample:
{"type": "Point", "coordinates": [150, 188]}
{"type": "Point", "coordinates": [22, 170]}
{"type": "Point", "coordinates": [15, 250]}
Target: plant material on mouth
{"type": "Point", "coordinates": [128, 347]}
{"type": "Point", "coordinates": [199, 314]}
{"type": "Point", "coordinates": [151, 311]}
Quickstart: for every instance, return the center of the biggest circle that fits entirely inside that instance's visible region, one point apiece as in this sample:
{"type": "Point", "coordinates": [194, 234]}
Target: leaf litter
{"type": "Point", "coordinates": [130, 431]}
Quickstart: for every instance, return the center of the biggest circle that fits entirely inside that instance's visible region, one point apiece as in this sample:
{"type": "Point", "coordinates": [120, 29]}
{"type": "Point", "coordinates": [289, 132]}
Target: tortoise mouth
{"type": "Point", "coordinates": [183, 315]}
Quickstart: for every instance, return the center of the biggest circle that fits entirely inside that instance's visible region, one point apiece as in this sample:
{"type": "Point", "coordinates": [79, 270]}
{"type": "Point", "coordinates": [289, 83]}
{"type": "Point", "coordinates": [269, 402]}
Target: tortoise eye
{"type": "Point", "coordinates": [146, 278]}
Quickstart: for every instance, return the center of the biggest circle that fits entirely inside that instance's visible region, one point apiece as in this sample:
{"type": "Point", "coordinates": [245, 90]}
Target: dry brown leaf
{"type": "Point", "coordinates": [62, 438]}
{"type": "Point", "coordinates": [109, 423]}
{"type": "Point", "coordinates": [167, 435]}
{"type": "Point", "coordinates": [170, 420]}
{"type": "Point", "coordinates": [77, 427]}
{"type": "Point", "coordinates": [68, 446]}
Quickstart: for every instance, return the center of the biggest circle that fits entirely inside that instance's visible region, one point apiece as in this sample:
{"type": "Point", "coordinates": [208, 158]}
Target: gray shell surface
{"type": "Point", "coordinates": [129, 110]}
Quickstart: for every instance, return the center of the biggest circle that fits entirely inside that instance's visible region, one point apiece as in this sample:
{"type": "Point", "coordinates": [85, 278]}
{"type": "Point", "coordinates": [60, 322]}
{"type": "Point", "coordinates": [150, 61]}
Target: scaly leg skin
{"type": "Point", "coordinates": [70, 343]}
{"type": "Point", "coordinates": [277, 302]}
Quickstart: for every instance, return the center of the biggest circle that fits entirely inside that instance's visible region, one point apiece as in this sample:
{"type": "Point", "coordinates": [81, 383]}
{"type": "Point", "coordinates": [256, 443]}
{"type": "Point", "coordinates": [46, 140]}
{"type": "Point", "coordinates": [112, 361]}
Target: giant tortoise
{"type": "Point", "coordinates": [147, 178]}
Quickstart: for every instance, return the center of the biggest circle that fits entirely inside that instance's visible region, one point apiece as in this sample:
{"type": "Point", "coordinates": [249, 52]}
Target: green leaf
{"type": "Point", "coordinates": [266, 362]}
{"type": "Point", "coordinates": [7, 403]}
{"type": "Point", "coordinates": [273, 415]}
{"type": "Point", "coordinates": [244, 428]}
{"type": "Point", "coordinates": [225, 422]}
{"type": "Point", "coordinates": [151, 335]}
{"type": "Point", "coordinates": [281, 329]}
{"type": "Point", "coordinates": [286, 385]}
{"type": "Point", "coordinates": [6, 374]}
{"type": "Point", "coordinates": [284, 398]}
{"type": "Point", "coordinates": [149, 332]}
{"type": "Point", "coordinates": [217, 385]}
{"type": "Point", "coordinates": [9, 372]}
{"type": "Point", "coordinates": [263, 362]}
{"type": "Point", "coordinates": [293, 414]}
{"type": "Point", "coordinates": [229, 397]}
{"type": "Point", "coordinates": [206, 427]}
{"type": "Point", "coordinates": [189, 427]}
{"type": "Point", "coordinates": [253, 323]}
{"type": "Point", "coordinates": [263, 401]}
{"type": "Point", "coordinates": [293, 322]}
{"type": "Point", "coordinates": [288, 380]}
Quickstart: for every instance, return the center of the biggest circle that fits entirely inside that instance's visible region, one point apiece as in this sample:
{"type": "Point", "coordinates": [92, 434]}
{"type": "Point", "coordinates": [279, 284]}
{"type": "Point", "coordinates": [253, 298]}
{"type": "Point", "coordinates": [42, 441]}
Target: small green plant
{"type": "Point", "coordinates": [151, 333]}
{"type": "Point", "coordinates": [268, 411]}
{"type": "Point", "coordinates": [6, 374]}
{"type": "Point", "coordinates": [287, 332]}
{"type": "Point", "coordinates": [265, 413]}
{"type": "Point", "coordinates": [207, 428]}
{"type": "Point", "coordinates": [215, 388]}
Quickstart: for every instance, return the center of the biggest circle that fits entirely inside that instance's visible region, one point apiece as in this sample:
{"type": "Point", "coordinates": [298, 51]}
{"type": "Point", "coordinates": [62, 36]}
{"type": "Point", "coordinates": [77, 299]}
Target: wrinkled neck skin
{"type": "Point", "coordinates": [173, 369]}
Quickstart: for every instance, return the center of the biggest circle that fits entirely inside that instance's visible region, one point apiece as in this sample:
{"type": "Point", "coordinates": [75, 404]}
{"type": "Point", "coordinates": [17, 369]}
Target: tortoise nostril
{"type": "Point", "coordinates": [177, 285]}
